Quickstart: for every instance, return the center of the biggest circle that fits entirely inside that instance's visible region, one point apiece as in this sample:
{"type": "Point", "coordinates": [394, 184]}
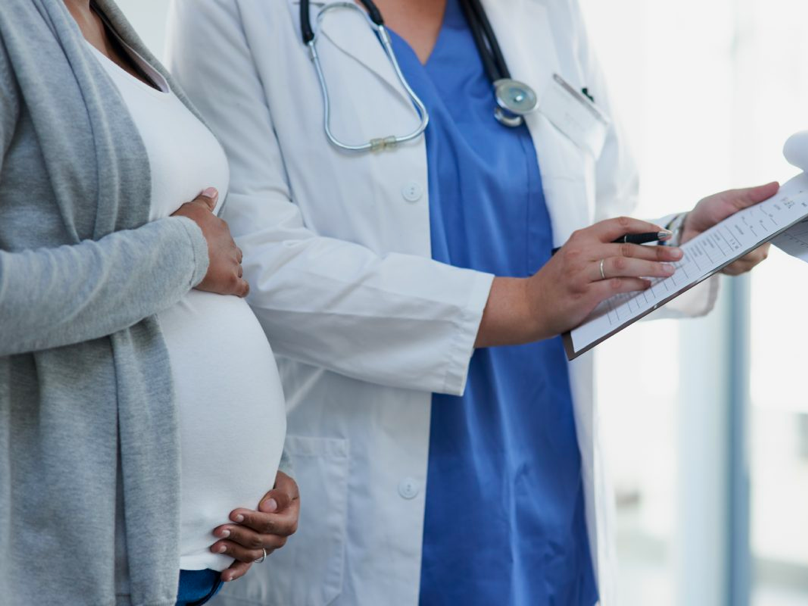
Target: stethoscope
{"type": "Point", "coordinates": [514, 99]}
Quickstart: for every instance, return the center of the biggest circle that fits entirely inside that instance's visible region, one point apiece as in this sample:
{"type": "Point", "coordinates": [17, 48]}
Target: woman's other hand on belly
{"type": "Point", "coordinates": [255, 532]}
{"type": "Point", "coordinates": [225, 273]}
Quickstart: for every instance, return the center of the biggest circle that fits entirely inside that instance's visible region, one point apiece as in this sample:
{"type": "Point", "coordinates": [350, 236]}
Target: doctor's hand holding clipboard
{"type": "Point", "coordinates": [401, 172]}
{"type": "Point", "coordinates": [591, 268]}
{"type": "Point", "coordinates": [587, 270]}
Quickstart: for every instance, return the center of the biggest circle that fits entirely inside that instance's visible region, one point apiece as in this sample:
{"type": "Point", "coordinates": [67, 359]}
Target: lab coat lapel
{"type": "Point", "coordinates": [529, 46]}
{"type": "Point", "coordinates": [350, 32]}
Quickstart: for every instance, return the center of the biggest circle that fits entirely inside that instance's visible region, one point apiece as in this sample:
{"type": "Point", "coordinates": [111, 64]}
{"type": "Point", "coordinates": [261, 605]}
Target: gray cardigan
{"type": "Point", "coordinates": [89, 460]}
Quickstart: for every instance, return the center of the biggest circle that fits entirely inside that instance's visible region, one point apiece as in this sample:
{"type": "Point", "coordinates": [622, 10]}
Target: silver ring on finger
{"type": "Point", "coordinates": [263, 557]}
{"type": "Point", "coordinates": [602, 272]}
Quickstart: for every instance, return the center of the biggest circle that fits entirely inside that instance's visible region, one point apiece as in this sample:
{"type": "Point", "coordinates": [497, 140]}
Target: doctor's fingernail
{"type": "Point", "coordinates": [221, 549]}
{"type": "Point", "coordinates": [211, 192]}
{"type": "Point", "coordinates": [225, 533]}
{"type": "Point", "coordinates": [271, 505]}
{"type": "Point", "coordinates": [239, 518]}
{"type": "Point", "coordinates": [668, 269]}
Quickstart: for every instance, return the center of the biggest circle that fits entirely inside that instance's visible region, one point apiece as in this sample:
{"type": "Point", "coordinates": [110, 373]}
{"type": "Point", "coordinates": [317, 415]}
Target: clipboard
{"type": "Point", "coordinates": [705, 255]}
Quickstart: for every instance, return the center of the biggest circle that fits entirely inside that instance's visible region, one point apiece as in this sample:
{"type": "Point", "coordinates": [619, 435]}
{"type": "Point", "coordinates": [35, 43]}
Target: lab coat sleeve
{"type": "Point", "coordinates": [617, 188]}
{"type": "Point", "coordinates": [395, 319]}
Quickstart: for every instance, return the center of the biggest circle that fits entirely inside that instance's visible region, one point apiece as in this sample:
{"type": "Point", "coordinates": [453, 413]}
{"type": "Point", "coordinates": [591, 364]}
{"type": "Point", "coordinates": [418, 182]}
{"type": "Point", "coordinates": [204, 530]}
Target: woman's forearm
{"type": "Point", "coordinates": [62, 296]}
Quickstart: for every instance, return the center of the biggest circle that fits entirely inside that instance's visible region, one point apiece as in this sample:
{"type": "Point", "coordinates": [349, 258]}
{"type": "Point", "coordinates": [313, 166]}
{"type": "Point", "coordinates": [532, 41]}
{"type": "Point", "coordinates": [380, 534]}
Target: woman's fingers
{"type": "Point", "coordinates": [237, 552]}
{"type": "Point", "coordinates": [245, 545]}
{"type": "Point", "coordinates": [622, 267]}
{"type": "Point", "coordinates": [248, 538]}
{"type": "Point", "coordinates": [225, 274]}
{"type": "Point", "coordinates": [282, 524]}
{"type": "Point", "coordinates": [236, 571]}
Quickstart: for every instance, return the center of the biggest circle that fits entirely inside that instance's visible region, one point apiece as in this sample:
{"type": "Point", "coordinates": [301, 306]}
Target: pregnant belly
{"type": "Point", "coordinates": [232, 415]}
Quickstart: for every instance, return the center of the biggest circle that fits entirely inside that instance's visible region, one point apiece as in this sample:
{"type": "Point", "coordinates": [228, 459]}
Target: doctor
{"type": "Point", "coordinates": [388, 257]}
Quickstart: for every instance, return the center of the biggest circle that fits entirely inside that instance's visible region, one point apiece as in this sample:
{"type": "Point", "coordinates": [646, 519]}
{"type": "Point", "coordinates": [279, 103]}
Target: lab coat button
{"type": "Point", "coordinates": [412, 191]}
{"type": "Point", "coordinates": [408, 488]}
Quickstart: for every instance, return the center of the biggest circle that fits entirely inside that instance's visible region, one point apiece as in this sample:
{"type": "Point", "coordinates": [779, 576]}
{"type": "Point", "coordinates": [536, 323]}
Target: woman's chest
{"type": "Point", "coordinates": [184, 157]}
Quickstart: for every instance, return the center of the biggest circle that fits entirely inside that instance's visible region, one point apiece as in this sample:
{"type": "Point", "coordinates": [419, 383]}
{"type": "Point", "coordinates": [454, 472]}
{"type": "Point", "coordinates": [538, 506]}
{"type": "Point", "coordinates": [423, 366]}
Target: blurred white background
{"type": "Point", "coordinates": [708, 92]}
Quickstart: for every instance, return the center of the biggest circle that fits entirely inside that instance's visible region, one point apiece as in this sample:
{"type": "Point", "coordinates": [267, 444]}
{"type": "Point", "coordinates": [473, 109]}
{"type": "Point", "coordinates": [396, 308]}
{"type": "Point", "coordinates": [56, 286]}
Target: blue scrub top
{"type": "Point", "coordinates": [505, 520]}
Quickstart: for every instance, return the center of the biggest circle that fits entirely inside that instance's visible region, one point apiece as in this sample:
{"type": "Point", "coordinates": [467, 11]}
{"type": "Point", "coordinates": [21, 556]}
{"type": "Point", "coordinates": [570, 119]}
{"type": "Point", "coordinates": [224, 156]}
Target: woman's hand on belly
{"type": "Point", "coordinates": [225, 273]}
{"type": "Point", "coordinates": [268, 528]}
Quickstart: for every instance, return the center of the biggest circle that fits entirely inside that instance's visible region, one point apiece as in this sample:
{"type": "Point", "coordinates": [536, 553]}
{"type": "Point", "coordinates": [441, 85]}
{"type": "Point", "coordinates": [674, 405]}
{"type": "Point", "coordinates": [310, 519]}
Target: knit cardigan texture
{"type": "Point", "coordinates": [89, 450]}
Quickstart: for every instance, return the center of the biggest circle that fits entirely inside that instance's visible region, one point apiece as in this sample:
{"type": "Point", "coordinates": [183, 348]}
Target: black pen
{"type": "Point", "coordinates": [646, 238]}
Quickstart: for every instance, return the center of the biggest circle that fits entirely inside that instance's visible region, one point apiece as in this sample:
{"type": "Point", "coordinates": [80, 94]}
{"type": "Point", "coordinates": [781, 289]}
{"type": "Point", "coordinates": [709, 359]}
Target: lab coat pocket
{"type": "Point", "coordinates": [568, 180]}
{"type": "Point", "coordinates": [575, 115]}
{"type": "Point", "coordinates": [309, 570]}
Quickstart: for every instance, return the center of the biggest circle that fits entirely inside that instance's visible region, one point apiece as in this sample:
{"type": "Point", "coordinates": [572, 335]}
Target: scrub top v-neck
{"type": "Point", "coordinates": [505, 514]}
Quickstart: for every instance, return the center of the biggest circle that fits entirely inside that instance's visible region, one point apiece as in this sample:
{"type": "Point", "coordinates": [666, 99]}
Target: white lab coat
{"type": "Point", "coordinates": [337, 250]}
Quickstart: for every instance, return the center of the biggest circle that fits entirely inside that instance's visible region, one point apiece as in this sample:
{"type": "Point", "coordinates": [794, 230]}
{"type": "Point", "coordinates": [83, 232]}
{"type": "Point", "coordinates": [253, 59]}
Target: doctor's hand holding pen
{"type": "Point", "coordinates": [588, 269]}
{"type": "Point", "coordinates": [225, 273]}
{"type": "Point", "coordinates": [591, 267]}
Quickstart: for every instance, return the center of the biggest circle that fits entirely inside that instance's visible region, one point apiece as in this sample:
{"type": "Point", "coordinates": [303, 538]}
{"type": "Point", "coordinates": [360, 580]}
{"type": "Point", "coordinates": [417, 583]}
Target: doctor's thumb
{"type": "Point", "coordinates": [743, 198]}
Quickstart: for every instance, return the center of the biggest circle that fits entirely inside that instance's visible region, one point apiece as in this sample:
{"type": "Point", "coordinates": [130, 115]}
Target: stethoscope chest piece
{"type": "Point", "coordinates": [514, 100]}
{"type": "Point", "coordinates": [515, 97]}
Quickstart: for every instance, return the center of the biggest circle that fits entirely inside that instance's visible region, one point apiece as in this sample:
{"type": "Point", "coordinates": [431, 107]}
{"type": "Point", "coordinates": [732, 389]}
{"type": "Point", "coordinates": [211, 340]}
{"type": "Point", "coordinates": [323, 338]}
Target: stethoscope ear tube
{"type": "Point", "coordinates": [373, 11]}
{"type": "Point", "coordinates": [490, 64]}
{"type": "Point", "coordinates": [488, 43]}
{"type": "Point", "coordinates": [305, 22]}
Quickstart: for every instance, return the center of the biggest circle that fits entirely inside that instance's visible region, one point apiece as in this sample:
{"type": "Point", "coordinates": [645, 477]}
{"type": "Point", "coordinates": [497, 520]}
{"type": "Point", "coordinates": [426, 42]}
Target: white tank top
{"type": "Point", "coordinates": [231, 406]}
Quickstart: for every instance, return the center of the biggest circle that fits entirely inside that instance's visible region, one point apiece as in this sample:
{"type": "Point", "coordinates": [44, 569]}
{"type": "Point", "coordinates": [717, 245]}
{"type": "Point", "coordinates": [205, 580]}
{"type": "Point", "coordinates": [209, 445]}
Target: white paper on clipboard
{"type": "Point", "coordinates": [705, 255]}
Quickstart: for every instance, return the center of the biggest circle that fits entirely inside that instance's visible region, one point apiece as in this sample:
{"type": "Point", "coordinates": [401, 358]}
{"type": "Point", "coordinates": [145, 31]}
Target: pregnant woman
{"type": "Point", "coordinates": [139, 400]}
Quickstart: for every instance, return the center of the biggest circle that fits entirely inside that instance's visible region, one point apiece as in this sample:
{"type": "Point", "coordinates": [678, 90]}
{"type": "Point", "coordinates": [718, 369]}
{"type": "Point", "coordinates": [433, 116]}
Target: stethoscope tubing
{"type": "Point", "coordinates": [374, 14]}
{"type": "Point", "coordinates": [507, 112]}
{"type": "Point", "coordinates": [486, 40]}
{"type": "Point", "coordinates": [380, 143]}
